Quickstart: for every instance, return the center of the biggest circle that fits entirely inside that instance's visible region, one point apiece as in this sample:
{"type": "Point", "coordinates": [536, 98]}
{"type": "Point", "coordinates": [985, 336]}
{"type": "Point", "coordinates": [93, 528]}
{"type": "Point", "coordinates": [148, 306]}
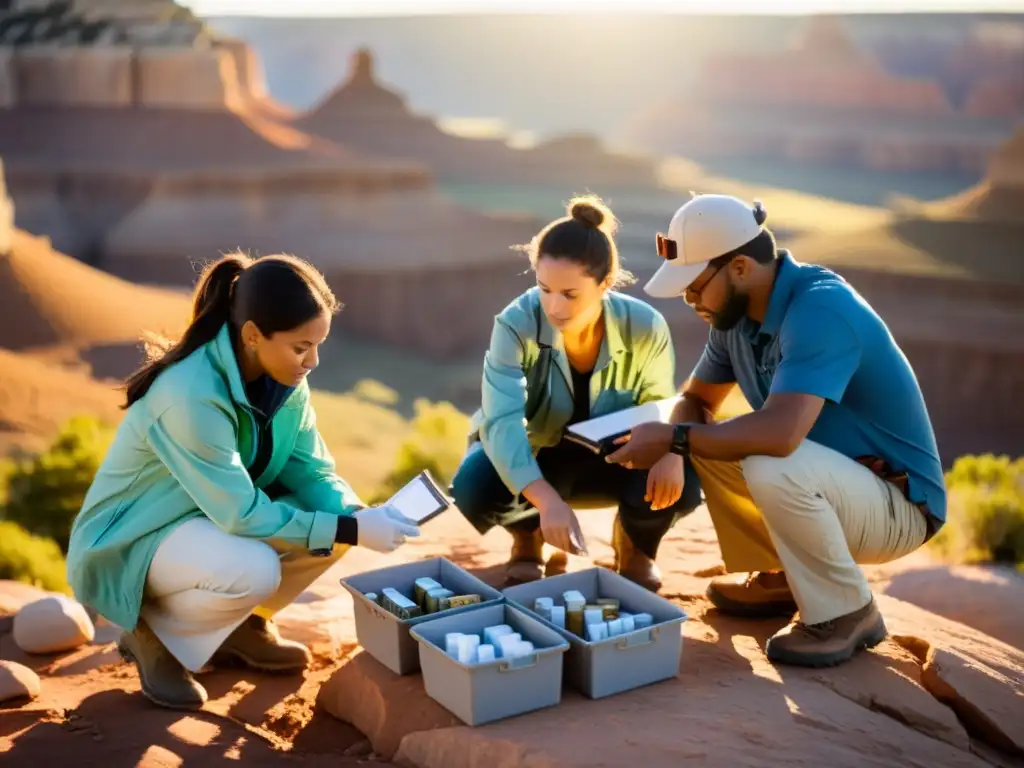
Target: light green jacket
{"type": "Point", "coordinates": [181, 451]}
{"type": "Point", "coordinates": [636, 364]}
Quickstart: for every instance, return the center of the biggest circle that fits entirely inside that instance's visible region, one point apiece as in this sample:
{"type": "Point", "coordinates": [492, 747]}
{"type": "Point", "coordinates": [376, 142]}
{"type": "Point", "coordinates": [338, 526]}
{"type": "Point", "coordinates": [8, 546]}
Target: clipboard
{"type": "Point", "coordinates": [598, 434]}
{"type": "Point", "coordinates": [421, 499]}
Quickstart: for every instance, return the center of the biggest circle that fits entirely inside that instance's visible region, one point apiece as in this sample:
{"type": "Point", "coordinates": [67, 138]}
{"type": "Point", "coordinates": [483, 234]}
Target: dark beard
{"type": "Point", "coordinates": [734, 310]}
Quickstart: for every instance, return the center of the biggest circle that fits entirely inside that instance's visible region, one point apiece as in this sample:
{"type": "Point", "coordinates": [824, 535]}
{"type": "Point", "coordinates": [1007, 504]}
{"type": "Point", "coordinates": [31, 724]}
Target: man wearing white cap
{"type": "Point", "coordinates": [836, 465]}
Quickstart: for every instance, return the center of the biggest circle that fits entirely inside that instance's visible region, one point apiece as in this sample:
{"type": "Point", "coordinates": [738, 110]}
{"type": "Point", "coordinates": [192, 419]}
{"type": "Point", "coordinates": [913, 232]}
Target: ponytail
{"type": "Point", "coordinates": [211, 308]}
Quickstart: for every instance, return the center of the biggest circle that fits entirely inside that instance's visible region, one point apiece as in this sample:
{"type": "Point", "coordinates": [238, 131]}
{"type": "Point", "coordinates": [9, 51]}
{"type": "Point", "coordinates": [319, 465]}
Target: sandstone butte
{"type": "Point", "coordinates": [942, 691]}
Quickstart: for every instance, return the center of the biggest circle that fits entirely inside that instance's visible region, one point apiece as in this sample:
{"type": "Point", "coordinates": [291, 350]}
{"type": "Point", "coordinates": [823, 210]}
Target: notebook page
{"type": "Point", "coordinates": [596, 429]}
{"type": "Point", "coordinates": [415, 500]}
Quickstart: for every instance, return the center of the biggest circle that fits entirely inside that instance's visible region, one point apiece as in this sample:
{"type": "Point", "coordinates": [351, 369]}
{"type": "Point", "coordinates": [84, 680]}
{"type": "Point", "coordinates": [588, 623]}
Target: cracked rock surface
{"type": "Point", "coordinates": [936, 693]}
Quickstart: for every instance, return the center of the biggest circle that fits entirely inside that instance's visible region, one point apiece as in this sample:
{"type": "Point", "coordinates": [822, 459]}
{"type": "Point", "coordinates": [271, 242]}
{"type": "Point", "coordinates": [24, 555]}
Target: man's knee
{"type": "Point", "coordinates": [771, 477]}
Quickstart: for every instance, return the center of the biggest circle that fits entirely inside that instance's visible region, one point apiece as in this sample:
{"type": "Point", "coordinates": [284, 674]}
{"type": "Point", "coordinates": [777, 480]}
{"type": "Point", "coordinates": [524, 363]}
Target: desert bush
{"type": "Point", "coordinates": [985, 519]}
{"type": "Point", "coordinates": [31, 559]}
{"type": "Point", "coordinates": [436, 443]}
{"type": "Point", "coordinates": [45, 493]}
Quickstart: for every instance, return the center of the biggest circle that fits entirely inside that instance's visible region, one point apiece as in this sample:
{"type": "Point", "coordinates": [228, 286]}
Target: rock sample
{"type": "Point", "coordinates": [17, 682]}
{"type": "Point", "coordinates": [52, 625]}
{"type": "Point", "coordinates": [189, 79]}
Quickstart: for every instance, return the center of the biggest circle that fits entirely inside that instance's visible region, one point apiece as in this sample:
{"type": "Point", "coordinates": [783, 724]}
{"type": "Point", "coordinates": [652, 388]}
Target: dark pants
{"type": "Point", "coordinates": [578, 475]}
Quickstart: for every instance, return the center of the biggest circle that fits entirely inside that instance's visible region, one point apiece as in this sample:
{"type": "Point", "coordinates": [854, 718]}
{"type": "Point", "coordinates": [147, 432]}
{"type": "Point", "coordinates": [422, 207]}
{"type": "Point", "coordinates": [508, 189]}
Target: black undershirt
{"type": "Point", "coordinates": [580, 396]}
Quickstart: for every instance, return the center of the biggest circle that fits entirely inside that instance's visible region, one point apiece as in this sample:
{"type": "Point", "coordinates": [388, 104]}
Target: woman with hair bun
{"type": "Point", "coordinates": [567, 350]}
{"type": "Point", "coordinates": [218, 502]}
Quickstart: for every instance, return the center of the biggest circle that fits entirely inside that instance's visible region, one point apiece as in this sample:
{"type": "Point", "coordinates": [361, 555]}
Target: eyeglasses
{"type": "Point", "coordinates": [692, 292]}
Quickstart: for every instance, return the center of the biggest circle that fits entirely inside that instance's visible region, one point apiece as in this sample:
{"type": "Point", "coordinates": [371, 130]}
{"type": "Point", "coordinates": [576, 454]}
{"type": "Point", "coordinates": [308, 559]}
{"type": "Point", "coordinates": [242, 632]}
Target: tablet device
{"type": "Point", "coordinates": [421, 499]}
{"type": "Point", "coordinates": [598, 434]}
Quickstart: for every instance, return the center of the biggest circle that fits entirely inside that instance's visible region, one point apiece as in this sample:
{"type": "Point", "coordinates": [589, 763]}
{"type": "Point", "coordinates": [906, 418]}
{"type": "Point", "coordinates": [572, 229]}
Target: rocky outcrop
{"type": "Point", "coordinates": [74, 77]}
{"type": "Point", "coordinates": [188, 79]}
{"type": "Point", "coordinates": [364, 113]}
{"type": "Point", "coordinates": [823, 101]}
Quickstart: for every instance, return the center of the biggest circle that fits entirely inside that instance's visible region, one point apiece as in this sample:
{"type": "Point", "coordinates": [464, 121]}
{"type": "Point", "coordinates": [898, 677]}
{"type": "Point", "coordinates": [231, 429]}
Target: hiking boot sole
{"type": "Point", "coordinates": [871, 638]}
{"type": "Point", "coordinates": [127, 656]}
{"type": "Point", "coordinates": [768, 610]}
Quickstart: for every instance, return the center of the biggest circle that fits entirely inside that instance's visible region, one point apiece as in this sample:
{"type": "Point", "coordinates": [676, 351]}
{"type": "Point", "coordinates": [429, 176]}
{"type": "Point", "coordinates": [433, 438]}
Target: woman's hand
{"type": "Point", "coordinates": [383, 528]}
{"type": "Point", "coordinates": [665, 482]}
{"type": "Point", "coordinates": [560, 527]}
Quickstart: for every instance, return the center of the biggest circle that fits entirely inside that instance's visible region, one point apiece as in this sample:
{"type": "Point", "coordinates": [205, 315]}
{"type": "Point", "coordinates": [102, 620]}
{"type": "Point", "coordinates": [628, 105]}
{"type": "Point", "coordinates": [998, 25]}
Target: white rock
{"type": "Point", "coordinates": [17, 681]}
{"type": "Point", "coordinates": [52, 625]}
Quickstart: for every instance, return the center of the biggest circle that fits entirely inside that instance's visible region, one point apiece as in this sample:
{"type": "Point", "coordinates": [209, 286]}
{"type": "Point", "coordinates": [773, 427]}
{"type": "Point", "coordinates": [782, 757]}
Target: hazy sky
{"type": "Point", "coordinates": [404, 7]}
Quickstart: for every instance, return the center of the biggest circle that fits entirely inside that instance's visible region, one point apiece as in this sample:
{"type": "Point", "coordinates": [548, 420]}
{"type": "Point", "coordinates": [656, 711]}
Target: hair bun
{"type": "Point", "coordinates": [589, 211]}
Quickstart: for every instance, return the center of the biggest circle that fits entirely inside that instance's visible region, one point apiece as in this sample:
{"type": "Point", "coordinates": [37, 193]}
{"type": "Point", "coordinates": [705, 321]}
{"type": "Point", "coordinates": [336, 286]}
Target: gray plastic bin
{"type": "Point", "coordinates": [386, 637]}
{"type": "Point", "coordinates": [620, 663]}
{"type": "Point", "coordinates": [482, 693]}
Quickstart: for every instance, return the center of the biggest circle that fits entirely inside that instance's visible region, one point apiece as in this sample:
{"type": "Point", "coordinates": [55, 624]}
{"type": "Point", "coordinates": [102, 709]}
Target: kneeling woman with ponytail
{"type": "Point", "coordinates": [218, 502]}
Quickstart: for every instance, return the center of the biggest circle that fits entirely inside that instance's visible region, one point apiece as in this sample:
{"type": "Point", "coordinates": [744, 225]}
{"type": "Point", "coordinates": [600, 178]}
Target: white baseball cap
{"type": "Point", "coordinates": [704, 228]}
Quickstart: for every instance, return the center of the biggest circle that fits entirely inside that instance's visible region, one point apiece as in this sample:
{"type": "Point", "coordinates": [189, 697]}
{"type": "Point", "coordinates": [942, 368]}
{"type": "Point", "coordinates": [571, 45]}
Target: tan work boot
{"type": "Point", "coordinates": [760, 594]}
{"type": "Point", "coordinates": [164, 680]}
{"type": "Point", "coordinates": [830, 642]}
{"type": "Point", "coordinates": [631, 562]}
{"type": "Point", "coordinates": [526, 562]}
{"type": "Point", "coordinates": [257, 644]}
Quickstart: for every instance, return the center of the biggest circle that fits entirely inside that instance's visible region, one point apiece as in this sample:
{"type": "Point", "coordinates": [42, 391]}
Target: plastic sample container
{"type": "Point", "coordinates": [618, 663]}
{"type": "Point", "coordinates": [385, 636]}
{"type": "Point", "coordinates": [493, 690]}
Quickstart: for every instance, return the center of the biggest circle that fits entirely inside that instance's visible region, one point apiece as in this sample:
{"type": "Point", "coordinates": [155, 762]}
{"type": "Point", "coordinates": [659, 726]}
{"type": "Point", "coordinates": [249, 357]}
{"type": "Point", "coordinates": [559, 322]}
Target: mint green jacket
{"type": "Point", "coordinates": [636, 364]}
{"type": "Point", "coordinates": [180, 452]}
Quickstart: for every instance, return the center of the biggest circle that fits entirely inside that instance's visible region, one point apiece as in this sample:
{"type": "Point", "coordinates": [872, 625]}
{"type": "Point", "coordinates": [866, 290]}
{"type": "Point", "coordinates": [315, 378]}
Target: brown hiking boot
{"type": "Point", "coordinates": [257, 644]}
{"type": "Point", "coordinates": [164, 680]}
{"type": "Point", "coordinates": [830, 642]}
{"type": "Point", "coordinates": [526, 563]}
{"type": "Point", "coordinates": [760, 594]}
{"type": "Point", "coordinates": [631, 562]}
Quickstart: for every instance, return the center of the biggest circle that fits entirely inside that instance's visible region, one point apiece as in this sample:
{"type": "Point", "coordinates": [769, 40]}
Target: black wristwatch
{"type": "Point", "coordinates": [680, 439]}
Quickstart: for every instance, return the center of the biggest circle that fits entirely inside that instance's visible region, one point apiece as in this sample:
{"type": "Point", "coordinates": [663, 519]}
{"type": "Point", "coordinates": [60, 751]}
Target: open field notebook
{"type": "Point", "coordinates": [598, 433]}
{"type": "Point", "coordinates": [421, 499]}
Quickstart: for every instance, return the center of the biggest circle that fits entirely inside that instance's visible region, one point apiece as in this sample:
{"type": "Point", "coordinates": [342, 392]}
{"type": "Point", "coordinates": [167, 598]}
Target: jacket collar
{"type": "Point", "coordinates": [222, 354]}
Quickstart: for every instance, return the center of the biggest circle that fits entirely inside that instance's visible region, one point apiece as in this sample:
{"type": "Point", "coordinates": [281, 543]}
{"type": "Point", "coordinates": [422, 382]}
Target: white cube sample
{"type": "Point", "coordinates": [491, 634]}
{"type": "Point", "coordinates": [614, 627]}
{"type": "Point", "coordinates": [593, 616]}
{"type": "Point", "coordinates": [451, 644]}
{"type": "Point", "coordinates": [484, 653]}
{"type": "Point", "coordinates": [558, 616]}
{"type": "Point", "coordinates": [628, 624]}
{"type": "Point", "coordinates": [543, 606]}
{"type": "Point", "coordinates": [507, 644]}
{"type": "Point", "coordinates": [597, 632]}
{"type": "Point", "coordinates": [643, 620]}
{"type": "Point", "coordinates": [467, 649]}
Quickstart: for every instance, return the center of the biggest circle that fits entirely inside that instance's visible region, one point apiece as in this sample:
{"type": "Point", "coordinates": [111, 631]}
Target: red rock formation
{"type": "Point", "coordinates": [821, 101]}
{"type": "Point", "coordinates": [367, 115]}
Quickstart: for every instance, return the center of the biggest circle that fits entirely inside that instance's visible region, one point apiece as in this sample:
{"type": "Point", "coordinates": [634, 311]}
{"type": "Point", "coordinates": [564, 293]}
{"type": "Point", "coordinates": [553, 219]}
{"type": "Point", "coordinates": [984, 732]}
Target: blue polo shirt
{"type": "Point", "coordinates": [820, 337]}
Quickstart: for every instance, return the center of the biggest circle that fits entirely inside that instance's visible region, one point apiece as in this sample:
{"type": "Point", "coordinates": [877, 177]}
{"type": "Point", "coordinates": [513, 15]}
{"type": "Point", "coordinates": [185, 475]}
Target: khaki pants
{"type": "Point", "coordinates": [203, 583]}
{"type": "Point", "coordinates": [814, 514]}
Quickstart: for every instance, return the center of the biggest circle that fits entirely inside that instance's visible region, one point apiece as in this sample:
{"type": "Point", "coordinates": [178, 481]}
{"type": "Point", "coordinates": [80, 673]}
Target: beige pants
{"type": "Point", "coordinates": [203, 583]}
{"type": "Point", "coordinates": [814, 514]}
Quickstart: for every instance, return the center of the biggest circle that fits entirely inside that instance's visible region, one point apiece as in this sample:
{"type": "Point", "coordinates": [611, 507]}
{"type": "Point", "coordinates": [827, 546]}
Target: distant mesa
{"type": "Point", "coordinates": [821, 100]}
{"type": "Point", "coordinates": [365, 114]}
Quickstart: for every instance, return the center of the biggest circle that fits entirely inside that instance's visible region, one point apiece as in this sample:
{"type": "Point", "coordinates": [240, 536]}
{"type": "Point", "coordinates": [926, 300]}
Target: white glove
{"type": "Point", "coordinates": [383, 528]}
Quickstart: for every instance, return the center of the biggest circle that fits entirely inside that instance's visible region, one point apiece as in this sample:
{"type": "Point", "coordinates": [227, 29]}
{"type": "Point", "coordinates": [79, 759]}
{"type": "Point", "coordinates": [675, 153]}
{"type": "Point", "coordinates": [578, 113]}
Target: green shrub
{"type": "Point", "coordinates": [437, 443]}
{"type": "Point", "coordinates": [985, 520]}
{"type": "Point", "coordinates": [35, 560]}
{"type": "Point", "coordinates": [45, 493]}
